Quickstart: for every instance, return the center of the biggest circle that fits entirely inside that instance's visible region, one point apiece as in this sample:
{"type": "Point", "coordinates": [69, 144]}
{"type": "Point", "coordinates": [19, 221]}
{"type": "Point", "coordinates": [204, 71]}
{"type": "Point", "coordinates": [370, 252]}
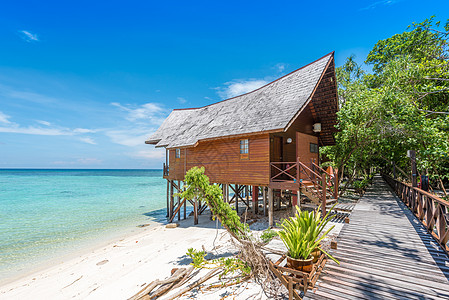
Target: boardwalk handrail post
{"type": "Point", "coordinates": [336, 184]}
{"type": "Point", "coordinates": [323, 202]}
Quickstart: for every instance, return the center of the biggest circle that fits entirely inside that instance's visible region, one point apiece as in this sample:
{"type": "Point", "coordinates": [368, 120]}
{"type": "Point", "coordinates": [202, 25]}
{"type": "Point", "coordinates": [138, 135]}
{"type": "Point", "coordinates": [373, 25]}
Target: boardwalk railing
{"type": "Point", "coordinates": [431, 210]}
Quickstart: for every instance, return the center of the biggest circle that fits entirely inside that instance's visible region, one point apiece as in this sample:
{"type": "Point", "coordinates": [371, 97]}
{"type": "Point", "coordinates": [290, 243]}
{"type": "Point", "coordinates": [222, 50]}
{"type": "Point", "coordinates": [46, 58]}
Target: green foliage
{"type": "Point", "coordinates": [268, 235]}
{"type": "Point", "coordinates": [402, 105]}
{"type": "Point", "coordinates": [197, 257]}
{"type": "Point", "coordinates": [301, 233]}
{"type": "Point", "coordinates": [199, 187]}
{"type": "Point", "coordinates": [230, 265]}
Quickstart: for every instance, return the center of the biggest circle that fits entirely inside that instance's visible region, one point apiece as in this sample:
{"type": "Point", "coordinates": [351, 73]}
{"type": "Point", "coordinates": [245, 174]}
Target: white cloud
{"type": "Point", "coordinates": [151, 153]}
{"type": "Point", "coordinates": [11, 127]}
{"type": "Point", "coordinates": [182, 100]}
{"type": "Point", "coordinates": [239, 87]}
{"type": "Point", "coordinates": [153, 112]}
{"type": "Point", "coordinates": [34, 130]}
{"type": "Point", "coordinates": [88, 140]}
{"type": "Point", "coordinates": [43, 122]}
{"type": "Point", "coordinates": [380, 3]}
{"type": "Point", "coordinates": [131, 137]}
{"type": "Point", "coordinates": [28, 36]}
{"type": "Point", "coordinates": [4, 118]}
{"type": "Point", "coordinates": [83, 130]}
{"type": "Point", "coordinates": [280, 67]}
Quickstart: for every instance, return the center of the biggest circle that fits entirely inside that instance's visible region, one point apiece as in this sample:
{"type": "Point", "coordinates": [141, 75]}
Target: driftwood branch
{"type": "Point", "coordinates": [193, 285]}
{"type": "Point", "coordinates": [178, 275]}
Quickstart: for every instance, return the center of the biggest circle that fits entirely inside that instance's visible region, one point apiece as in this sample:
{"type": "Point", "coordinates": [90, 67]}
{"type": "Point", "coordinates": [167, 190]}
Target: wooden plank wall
{"type": "Point", "coordinates": [304, 124]}
{"type": "Point", "coordinates": [222, 161]}
{"type": "Point", "coordinates": [324, 106]}
{"type": "Point", "coordinates": [303, 147]}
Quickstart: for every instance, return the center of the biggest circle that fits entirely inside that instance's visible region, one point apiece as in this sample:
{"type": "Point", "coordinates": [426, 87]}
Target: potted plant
{"type": "Point", "coordinates": [300, 235]}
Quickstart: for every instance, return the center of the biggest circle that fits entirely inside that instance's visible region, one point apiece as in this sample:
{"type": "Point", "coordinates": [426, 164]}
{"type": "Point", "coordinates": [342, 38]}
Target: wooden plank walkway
{"type": "Point", "coordinates": [385, 253]}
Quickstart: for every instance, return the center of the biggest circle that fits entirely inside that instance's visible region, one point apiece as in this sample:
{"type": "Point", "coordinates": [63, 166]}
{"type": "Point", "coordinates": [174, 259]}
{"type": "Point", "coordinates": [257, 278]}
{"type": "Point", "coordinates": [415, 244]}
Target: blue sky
{"type": "Point", "coordinates": [83, 83]}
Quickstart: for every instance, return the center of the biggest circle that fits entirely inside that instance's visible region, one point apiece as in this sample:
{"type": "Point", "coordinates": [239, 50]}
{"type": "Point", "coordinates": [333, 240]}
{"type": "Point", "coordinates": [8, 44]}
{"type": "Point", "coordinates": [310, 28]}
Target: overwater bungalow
{"type": "Point", "coordinates": [262, 147]}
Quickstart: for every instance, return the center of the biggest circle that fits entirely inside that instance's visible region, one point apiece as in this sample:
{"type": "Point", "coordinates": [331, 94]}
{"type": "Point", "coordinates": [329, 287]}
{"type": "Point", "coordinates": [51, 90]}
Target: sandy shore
{"type": "Point", "coordinates": [117, 270]}
{"type": "Point", "coordinates": [120, 269]}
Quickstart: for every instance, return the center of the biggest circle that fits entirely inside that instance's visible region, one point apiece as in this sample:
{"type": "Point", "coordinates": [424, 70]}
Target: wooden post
{"type": "Point", "coordinates": [270, 207]}
{"type": "Point", "coordinates": [168, 198]}
{"type": "Point", "coordinates": [298, 174]}
{"type": "Point", "coordinates": [172, 200]}
{"type": "Point", "coordinates": [179, 201]}
{"type": "Point", "coordinates": [223, 192]}
{"type": "Point", "coordinates": [323, 200]}
{"type": "Point", "coordinates": [336, 184]}
{"type": "Point", "coordinates": [255, 199]}
{"type": "Point", "coordinates": [195, 212]}
{"type": "Point", "coordinates": [247, 194]}
{"type": "Point", "coordinates": [295, 195]}
{"type": "Point", "coordinates": [185, 207]}
{"type": "Point", "coordinates": [264, 200]}
{"type": "Point", "coordinates": [226, 193]}
{"type": "Point", "coordinates": [236, 194]}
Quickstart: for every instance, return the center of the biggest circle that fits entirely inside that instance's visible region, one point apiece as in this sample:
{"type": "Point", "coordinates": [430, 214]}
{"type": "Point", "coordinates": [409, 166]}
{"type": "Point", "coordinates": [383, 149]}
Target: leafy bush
{"type": "Point", "coordinates": [230, 265]}
{"type": "Point", "coordinates": [268, 235]}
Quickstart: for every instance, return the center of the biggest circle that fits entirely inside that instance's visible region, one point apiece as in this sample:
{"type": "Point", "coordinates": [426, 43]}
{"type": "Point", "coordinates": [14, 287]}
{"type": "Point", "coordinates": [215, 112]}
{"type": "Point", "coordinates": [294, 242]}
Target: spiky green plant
{"type": "Point", "coordinates": [301, 233]}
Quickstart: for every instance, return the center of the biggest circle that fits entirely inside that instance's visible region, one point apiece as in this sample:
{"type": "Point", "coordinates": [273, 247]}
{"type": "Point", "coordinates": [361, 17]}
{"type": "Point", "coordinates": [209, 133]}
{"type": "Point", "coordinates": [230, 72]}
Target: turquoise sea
{"type": "Point", "coordinates": [45, 213]}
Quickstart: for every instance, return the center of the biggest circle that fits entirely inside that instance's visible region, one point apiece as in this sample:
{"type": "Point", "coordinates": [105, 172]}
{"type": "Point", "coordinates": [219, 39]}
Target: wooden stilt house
{"type": "Point", "coordinates": [261, 147]}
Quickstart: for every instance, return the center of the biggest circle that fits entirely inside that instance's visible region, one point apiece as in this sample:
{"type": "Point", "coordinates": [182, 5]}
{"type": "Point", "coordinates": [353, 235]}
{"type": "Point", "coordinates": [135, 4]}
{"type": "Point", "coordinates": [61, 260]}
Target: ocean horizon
{"type": "Point", "coordinates": [46, 213]}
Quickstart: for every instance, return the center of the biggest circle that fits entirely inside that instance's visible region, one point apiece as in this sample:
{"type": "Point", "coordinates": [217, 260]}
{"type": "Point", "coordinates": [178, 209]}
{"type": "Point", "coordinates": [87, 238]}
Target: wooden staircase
{"type": "Point", "coordinates": [318, 185]}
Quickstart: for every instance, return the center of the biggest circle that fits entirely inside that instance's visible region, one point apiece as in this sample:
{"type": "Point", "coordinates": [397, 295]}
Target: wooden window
{"type": "Point", "coordinates": [313, 148]}
{"type": "Point", "coordinates": [243, 146]}
{"type": "Point", "coordinates": [178, 153]}
{"type": "Point", "coordinates": [244, 149]}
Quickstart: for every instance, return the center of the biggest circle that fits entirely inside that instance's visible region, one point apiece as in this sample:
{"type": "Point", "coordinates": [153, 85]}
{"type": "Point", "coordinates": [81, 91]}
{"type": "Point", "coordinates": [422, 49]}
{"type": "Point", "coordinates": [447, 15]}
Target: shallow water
{"type": "Point", "coordinates": [45, 213]}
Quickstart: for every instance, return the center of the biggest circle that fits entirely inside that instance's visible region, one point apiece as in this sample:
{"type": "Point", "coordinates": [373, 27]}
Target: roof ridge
{"type": "Point", "coordinates": [193, 108]}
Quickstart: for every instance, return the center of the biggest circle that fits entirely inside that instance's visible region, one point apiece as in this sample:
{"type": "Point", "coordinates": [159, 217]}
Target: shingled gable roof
{"type": "Point", "coordinates": [270, 108]}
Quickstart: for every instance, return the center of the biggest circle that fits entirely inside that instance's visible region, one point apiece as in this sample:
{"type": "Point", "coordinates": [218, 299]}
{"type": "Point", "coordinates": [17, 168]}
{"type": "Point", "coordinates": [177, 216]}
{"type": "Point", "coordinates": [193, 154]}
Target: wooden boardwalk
{"type": "Point", "coordinates": [385, 253]}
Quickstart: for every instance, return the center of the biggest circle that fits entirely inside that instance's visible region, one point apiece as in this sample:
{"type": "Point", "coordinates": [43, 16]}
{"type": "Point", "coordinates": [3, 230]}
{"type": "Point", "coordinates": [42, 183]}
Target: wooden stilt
{"type": "Point", "coordinates": [168, 198]}
{"type": "Point", "coordinates": [247, 193]}
{"type": "Point", "coordinates": [264, 200]}
{"type": "Point", "coordinates": [224, 193]}
{"type": "Point", "coordinates": [185, 207]}
{"type": "Point", "coordinates": [278, 202]}
{"type": "Point", "coordinates": [172, 204]}
{"type": "Point", "coordinates": [270, 207]}
{"type": "Point", "coordinates": [236, 191]}
{"type": "Point", "coordinates": [294, 200]}
{"type": "Point", "coordinates": [255, 199]}
{"type": "Point", "coordinates": [179, 201]}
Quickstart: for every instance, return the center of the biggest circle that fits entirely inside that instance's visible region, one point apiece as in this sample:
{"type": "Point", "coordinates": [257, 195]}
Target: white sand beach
{"type": "Point", "coordinates": [120, 269]}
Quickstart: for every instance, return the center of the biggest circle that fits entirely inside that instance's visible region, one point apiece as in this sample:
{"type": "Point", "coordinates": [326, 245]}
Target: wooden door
{"type": "Point", "coordinates": [276, 149]}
